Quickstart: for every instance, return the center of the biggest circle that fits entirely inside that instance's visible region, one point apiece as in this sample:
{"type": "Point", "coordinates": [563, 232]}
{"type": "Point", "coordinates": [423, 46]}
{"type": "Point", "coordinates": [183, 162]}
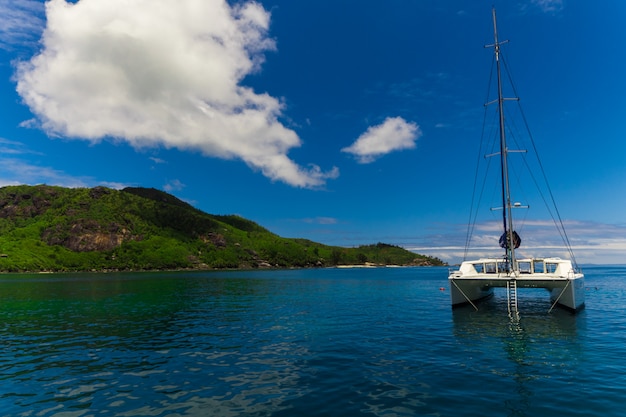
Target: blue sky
{"type": "Point", "coordinates": [344, 122]}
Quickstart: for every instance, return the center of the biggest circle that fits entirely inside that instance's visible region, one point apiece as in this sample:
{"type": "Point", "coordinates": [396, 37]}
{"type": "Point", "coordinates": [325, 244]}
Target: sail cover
{"type": "Point", "coordinates": [516, 240]}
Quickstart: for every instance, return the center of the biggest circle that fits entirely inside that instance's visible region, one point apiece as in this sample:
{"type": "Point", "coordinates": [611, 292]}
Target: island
{"type": "Point", "coordinates": [56, 229]}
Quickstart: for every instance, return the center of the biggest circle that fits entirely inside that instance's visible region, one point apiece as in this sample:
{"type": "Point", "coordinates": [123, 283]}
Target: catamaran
{"type": "Point", "coordinates": [476, 279]}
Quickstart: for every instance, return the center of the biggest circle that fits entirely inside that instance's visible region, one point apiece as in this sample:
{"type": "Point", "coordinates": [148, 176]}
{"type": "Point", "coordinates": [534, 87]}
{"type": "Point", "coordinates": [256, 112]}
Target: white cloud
{"type": "Point", "coordinates": [160, 72]}
{"type": "Point", "coordinates": [393, 134]}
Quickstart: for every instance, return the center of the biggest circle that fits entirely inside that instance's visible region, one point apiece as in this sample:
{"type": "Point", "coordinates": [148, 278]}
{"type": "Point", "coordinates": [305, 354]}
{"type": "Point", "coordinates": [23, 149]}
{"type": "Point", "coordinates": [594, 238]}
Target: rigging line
{"type": "Point", "coordinates": [493, 141]}
{"type": "Point", "coordinates": [513, 133]}
{"type": "Point", "coordinates": [561, 227]}
{"type": "Point", "coordinates": [548, 207]}
{"type": "Point", "coordinates": [512, 129]}
{"type": "Point", "coordinates": [531, 171]}
{"type": "Point", "coordinates": [474, 211]}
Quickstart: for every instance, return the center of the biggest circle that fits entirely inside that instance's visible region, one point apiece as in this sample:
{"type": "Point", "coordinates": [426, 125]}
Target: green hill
{"type": "Point", "coordinates": [46, 228]}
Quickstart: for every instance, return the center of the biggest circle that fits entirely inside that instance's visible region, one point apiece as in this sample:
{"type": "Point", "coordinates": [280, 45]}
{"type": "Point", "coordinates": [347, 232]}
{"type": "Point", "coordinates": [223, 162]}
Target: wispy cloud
{"type": "Point", "coordinates": [173, 185]}
{"type": "Point", "coordinates": [11, 147]}
{"type": "Point", "coordinates": [552, 7]}
{"type": "Point", "coordinates": [591, 242]}
{"type": "Point", "coordinates": [163, 73]}
{"type": "Point", "coordinates": [14, 170]}
{"type": "Point", "coordinates": [21, 24]}
{"type": "Point", "coordinates": [157, 160]}
{"type": "Point", "coordinates": [549, 6]}
{"type": "Point", "coordinates": [393, 134]}
{"type": "Point", "coordinates": [426, 88]}
{"type": "Point", "coordinates": [321, 220]}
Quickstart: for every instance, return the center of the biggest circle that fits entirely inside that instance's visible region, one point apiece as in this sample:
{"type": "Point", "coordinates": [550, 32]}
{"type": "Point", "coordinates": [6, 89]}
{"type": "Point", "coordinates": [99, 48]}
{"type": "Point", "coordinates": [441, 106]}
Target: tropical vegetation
{"type": "Point", "coordinates": [48, 228]}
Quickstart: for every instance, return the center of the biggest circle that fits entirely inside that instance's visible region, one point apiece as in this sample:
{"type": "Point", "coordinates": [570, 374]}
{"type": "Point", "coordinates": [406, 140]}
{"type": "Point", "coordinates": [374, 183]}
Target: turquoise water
{"type": "Point", "coordinates": [324, 342]}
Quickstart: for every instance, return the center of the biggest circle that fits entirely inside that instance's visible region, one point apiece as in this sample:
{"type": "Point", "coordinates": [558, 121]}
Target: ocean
{"type": "Point", "coordinates": [312, 342]}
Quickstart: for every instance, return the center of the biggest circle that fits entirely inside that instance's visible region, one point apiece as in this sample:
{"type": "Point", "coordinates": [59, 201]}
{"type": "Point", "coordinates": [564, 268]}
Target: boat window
{"type": "Point", "coordinates": [539, 267]}
{"type": "Point", "coordinates": [479, 267]}
{"type": "Point", "coordinates": [503, 267]}
{"type": "Point", "coordinates": [490, 267]}
{"type": "Point", "coordinates": [524, 267]}
{"type": "Point", "coordinates": [551, 268]}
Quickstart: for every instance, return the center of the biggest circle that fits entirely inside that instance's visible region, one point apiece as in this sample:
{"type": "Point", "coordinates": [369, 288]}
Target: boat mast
{"type": "Point", "coordinates": [507, 219]}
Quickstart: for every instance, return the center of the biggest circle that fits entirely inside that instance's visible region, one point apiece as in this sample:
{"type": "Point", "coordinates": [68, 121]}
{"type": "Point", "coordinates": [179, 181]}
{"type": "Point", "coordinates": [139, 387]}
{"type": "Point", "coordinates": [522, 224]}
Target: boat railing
{"type": "Point", "coordinates": [456, 271]}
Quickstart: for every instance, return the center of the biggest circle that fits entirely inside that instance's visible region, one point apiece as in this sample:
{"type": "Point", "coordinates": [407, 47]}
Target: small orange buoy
{"type": "Point", "coordinates": [442, 289]}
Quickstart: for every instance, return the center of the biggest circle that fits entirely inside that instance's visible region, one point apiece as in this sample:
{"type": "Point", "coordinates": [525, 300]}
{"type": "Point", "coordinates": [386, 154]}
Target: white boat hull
{"type": "Point", "coordinates": [469, 291]}
{"type": "Point", "coordinates": [471, 283]}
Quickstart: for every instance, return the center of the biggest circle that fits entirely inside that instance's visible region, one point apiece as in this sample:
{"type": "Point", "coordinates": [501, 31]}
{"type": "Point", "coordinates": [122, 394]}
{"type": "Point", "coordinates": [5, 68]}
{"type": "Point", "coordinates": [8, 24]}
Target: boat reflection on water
{"type": "Point", "coordinates": [539, 347]}
{"type": "Point", "coordinates": [492, 319]}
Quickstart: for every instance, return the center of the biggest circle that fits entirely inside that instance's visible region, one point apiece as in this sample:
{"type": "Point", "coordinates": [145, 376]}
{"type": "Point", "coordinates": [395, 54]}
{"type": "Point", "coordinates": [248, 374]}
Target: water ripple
{"type": "Point", "coordinates": [306, 343]}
